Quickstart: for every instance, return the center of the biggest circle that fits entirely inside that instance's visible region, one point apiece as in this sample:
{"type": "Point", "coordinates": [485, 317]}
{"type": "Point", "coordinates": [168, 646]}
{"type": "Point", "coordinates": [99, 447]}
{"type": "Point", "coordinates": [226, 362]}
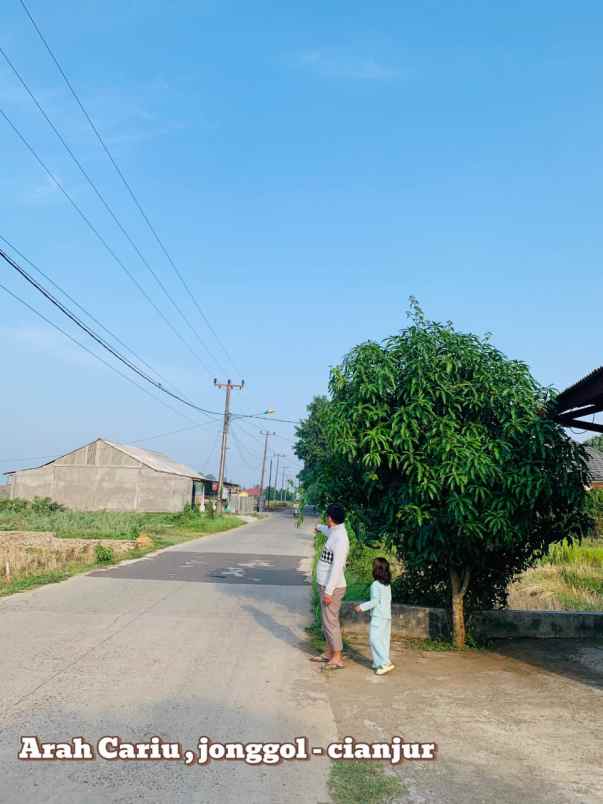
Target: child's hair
{"type": "Point", "coordinates": [381, 571]}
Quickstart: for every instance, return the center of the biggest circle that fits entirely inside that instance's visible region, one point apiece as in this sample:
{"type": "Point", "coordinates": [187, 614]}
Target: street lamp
{"type": "Point", "coordinates": [267, 412]}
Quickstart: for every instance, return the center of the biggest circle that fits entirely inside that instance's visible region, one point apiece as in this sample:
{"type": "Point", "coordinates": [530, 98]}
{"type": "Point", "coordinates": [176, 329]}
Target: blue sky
{"type": "Point", "coordinates": [309, 166]}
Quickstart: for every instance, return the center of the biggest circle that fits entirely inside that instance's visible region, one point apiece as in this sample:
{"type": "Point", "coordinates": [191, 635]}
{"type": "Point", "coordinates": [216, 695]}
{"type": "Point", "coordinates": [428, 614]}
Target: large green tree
{"type": "Point", "coordinates": [437, 440]}
{"type": "Point", "coordinates": [327, 474]}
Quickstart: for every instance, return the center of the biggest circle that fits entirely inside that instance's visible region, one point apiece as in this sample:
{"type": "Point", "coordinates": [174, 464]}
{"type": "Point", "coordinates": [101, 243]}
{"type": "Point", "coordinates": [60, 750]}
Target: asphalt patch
{"type": "Point", "coordinates": [233, 568]}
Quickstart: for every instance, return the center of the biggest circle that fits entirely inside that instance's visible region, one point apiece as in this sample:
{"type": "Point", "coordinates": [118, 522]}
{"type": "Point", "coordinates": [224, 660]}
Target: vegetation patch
{"type": "Point", "coordinates": [30, 555]}
{"type": "Point", "coordinates": [568, 578]}
{"type": "Point", "coordinates": [358, 782]}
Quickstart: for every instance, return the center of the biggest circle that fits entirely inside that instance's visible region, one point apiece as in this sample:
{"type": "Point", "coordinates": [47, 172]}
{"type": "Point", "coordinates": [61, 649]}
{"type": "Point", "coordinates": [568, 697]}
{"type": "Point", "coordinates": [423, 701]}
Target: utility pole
{"type": "Point", "coordinates": [269, 485]}
{"type": "Point", "coordinates": [278, 456]}
{"type": "Point", "coordinates": [229, 386]}
{"type": "Point", "coordinates": [283, 484]}
{"type": "Point", "coordinates": [266, 433]}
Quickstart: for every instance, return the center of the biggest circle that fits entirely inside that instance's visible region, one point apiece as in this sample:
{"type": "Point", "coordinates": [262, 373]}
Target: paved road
{"type": "Point", "coordinates": [202, 639]}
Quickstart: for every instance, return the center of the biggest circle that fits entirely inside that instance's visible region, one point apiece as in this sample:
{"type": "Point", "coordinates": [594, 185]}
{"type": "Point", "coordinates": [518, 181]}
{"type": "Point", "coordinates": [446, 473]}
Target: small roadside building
{"type": "Point", "coordinates": [106, 476]}
{"type": "Point", "coordinates": [254, 491]}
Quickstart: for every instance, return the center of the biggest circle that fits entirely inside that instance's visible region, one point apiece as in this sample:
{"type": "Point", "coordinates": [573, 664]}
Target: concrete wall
{"type": "Point", "coordinates": [242, 505]}
{"type": "Point", "coordinates": [100, 478]}
{"type": "Point", "coordinates": [421, 622]}
{"type": "Point", "coordinates": [4, 491]}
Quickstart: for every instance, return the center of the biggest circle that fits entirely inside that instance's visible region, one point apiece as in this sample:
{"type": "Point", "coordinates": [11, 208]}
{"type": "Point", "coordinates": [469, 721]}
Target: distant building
{"type": "Point", "coordinates": [595, 465]}
{"type": "Point", "coordinates": [254, 491]}
{"type": "Point", "coordinates": [106, 476]}
{"type": "Point", "coordinates": [210, 484]}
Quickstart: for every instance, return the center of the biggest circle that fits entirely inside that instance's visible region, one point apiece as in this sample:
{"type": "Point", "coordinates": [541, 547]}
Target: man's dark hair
{"type": "Point", "coordinates": [336, 512]}
{"type": "Point", "coordinates": [381, 571]}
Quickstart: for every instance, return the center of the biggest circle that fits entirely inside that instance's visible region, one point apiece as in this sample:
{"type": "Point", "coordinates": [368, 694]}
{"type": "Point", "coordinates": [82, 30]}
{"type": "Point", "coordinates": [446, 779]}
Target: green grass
{"type": "Point", "coordinates": [47, 566]}
{"type": "Point", "coordinates": [358, 589]}
{"type": "Point", "coordinates": [165, 528]}
{"type": "Point", "coordinates": [589, 552]}
{"type": "Point", "coordinates": [588, 583]}
{"type": "Point", "coordinates": [358, 782]}
{"type": "Point", "coordinates": [569, 577]}
{"type": "Point", "coordinates": [435, 645]}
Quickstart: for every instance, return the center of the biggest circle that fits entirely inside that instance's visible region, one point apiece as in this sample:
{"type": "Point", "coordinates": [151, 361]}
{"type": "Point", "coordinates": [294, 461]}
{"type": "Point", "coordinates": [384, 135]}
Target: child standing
{"type": "Point", "coordinates": [380, 606]}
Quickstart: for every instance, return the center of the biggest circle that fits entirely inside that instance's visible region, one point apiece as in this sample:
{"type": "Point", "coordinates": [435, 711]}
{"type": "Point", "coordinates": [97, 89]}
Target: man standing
{"type": "Point", "coordinates": [332, 584]}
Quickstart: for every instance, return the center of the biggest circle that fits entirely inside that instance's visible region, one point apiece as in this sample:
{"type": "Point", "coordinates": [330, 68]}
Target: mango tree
{"type": "Point", "coordinates": [444, 444]}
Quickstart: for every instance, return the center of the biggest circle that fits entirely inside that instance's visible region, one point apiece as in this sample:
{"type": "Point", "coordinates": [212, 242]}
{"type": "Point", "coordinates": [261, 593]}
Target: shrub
{"type": "Point", "coordinates": [44, 505]}
{"type": "Point", "coordinates": [103, 553]}
{"type": "Point", "coordinates": [16, 506]}
{"type": "Point", "coordinates": [39, 505]}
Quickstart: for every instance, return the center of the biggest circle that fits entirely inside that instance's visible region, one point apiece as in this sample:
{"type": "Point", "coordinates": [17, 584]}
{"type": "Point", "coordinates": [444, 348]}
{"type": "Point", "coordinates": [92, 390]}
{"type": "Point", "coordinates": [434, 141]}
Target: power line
{"type": "Point", "coordinates": [242, 444]}
{"type": "Point", "coordinates": [173, 432]}
{"type": "Point", "coordinates": [102, 342]}
{"type": "Point", "coordinates": [103, 200]}
{"type": "Point", "coordinates": [97, 338]}
{"type": "Point", "coordinates": [245, 430]}
{"type": "Point", "coordinates": [108, 347]}
{"type": "Point", "coordinates": [238, 445]}
{"type": "Point", "coordinates": [90, 352]}
{"type": "Point", "coordinates": [129, 441]}
{"type": "Point", "coordinates": [213, 447]}
{"type": "Point", "coordinates": [124, 180]}
{"type": "Point", "coordinates": [100, 237]}
{"type": "Point", "coordinates": [79, 306]}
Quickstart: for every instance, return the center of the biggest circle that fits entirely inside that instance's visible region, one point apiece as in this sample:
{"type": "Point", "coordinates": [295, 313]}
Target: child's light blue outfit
{"type": "Point", "coordinates": [380, 606]}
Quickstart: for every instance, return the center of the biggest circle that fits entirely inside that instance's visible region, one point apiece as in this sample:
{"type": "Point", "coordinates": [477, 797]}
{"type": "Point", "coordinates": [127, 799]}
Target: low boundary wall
{"type": "Point", "coordinates": [421, 622]}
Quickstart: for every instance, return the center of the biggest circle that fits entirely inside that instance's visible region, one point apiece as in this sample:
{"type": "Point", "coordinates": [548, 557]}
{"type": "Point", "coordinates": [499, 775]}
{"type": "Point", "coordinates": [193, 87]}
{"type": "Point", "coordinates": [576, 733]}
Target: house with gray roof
{"type": "Point", "coordinates": [595, 465]}
{"type": "Point", "coordinates": [107, 476]}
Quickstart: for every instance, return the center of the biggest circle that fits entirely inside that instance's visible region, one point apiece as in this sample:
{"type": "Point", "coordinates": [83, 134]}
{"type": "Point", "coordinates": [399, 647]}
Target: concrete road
{"type": "Point", "coordinates": [206, 638]}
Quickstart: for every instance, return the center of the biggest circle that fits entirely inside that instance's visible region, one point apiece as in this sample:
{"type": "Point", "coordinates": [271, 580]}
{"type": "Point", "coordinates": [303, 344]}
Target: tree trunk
{"type": "Point", "coordinates": [460, 581]}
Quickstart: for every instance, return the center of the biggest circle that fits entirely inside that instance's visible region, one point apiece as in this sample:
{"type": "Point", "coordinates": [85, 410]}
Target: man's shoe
{"type": "Point", "coordinates": [381, 671]}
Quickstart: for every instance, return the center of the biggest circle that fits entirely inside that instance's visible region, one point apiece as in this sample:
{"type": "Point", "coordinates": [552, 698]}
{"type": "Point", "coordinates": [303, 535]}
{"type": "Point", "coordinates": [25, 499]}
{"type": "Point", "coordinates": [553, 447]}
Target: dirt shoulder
{"type": "Point", "coordinates": [520, 722]}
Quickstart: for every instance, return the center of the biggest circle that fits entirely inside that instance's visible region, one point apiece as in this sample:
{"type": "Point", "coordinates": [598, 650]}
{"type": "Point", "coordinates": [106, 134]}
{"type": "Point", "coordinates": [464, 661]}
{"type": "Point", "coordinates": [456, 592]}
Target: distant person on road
{"type": "Point", "coordinates": [380, 607]}
{"type": "Point", "coordinates": [332, 584]}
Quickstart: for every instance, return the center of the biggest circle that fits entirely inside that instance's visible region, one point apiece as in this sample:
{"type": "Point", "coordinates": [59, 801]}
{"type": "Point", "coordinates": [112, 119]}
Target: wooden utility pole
{"type": "Point", "coordinates": [229, 386]}
{"type": "Point", "coordinates": [278, 456]}
{"type": "Point", "coordinates": [266, 433]}
{"type": "Point", "coordinates": [269, 485]}
{"type": "Point", "coordinates": [283, 484]}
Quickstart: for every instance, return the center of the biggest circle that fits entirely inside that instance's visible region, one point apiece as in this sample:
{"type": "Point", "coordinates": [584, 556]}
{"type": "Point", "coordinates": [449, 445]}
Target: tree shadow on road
{"type": "Point", "coordinates": [576, 659]}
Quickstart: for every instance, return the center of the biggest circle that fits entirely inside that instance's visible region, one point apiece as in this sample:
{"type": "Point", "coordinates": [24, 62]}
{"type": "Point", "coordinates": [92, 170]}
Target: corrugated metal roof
{"type": "Point", "coordinates": [595, 464]}
{"type": "Point", "coordinates": [584, 392]}
{"type": "Point", "coordinates": [156, 460]}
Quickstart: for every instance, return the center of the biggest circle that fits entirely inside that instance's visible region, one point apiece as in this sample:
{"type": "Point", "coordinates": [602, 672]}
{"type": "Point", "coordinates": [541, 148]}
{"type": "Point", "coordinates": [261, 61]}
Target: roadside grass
{"type": "Point", "coordinates": [358, 782]}
{"type": "Point", "coordinates": [24, 566]}
{"type": "Point", "coordinates": [26, 582]}
{"type": "Point", "coordinates": [67, 524]}
{"type": "Point", "coordinates": [568, 578]}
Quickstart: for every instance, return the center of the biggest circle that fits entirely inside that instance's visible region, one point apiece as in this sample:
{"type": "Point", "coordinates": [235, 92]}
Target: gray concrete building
{"type": "Point", "coordinates": [105, 476]}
